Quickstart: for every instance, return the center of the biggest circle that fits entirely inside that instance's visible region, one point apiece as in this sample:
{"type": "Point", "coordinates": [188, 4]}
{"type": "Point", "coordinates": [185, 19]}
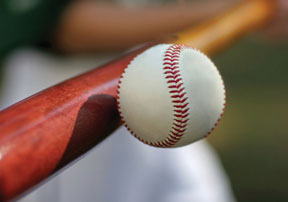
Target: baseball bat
{"type": "Point", "coordinates": [47, 131]}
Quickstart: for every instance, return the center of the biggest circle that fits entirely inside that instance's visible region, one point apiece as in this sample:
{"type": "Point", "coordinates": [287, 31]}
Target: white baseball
{"type": "Point", "coordinates": [170, 96]}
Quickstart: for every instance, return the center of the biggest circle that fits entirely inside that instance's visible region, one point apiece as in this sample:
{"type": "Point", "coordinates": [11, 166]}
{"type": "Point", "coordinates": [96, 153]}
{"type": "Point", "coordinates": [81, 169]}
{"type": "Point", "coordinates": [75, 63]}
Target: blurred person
{"type": "Point", "coordinates": [277, 30]}
{"type": "Point", "coordinates": [120, 168]}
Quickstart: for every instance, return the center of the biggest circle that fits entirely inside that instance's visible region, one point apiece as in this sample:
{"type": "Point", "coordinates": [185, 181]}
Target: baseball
{"type": "Point", "coordinates": [170, 96]}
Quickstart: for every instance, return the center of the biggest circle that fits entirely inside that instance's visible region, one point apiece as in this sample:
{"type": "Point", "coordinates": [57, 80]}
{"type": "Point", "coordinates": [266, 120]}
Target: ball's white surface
{"type": "Point", "coordinates": [146, 103]}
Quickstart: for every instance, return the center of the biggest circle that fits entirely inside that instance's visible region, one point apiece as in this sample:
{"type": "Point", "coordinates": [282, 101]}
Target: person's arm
{"type": "Point", "coordinates": [92, 26]}
{"type": "Point", "coordinates": [278, 28]}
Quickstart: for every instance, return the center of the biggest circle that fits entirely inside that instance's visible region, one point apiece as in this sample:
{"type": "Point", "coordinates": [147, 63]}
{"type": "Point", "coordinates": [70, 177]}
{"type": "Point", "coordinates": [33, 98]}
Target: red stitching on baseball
{"type": "Point", "coordinates": [181, 121]}
{"type": "Point", "coordinates": [180, 106]}
{"type": "Point", "coordinates": [171, 59]}
{"type": "Point", "coordinates": [173, 77]}
{"type": "Point", "coordinates": [223, 107]}
{"type": "Point", "coordinates": [171, 70]}
{"type": "Point", "coordinates": [177, 91]}
{"type": "Point", "coordinates": [217, 122]}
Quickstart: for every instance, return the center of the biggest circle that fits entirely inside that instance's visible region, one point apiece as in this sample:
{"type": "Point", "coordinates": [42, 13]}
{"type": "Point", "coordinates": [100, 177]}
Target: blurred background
{"type": "Point", "coordinates": [251, 139]}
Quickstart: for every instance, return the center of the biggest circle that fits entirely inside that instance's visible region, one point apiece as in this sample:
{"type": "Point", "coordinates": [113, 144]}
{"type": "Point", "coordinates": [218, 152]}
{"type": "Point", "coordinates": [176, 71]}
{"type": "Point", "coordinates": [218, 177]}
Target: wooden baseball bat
{"type": "Point", "coordinates": [47, 131]}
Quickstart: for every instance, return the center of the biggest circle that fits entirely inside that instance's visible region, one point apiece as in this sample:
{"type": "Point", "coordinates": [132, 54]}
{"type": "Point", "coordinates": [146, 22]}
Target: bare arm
{"type": "Point", "coordinates": [93, 26]}
{"type": "Point", "coordinates": [278, 28]}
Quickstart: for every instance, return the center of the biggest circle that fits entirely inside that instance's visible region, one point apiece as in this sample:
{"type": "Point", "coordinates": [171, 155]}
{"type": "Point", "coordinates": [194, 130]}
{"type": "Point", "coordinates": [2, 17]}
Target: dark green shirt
{"type": "Point", "coordinates": [26, 22]}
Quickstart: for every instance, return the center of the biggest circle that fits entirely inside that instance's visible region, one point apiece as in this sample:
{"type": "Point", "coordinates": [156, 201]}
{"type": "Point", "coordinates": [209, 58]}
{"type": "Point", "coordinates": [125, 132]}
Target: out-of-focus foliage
{"type": "Point", "coordinates": [252, 137]}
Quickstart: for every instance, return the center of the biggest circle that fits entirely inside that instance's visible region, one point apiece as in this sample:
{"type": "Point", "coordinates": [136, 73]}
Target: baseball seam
{"type": "Point", "coordinates": [178, 95]}
{"type": "Point", "coordinates": [224, 104]}
{"type": "Point", "coordinates": [177, 91]}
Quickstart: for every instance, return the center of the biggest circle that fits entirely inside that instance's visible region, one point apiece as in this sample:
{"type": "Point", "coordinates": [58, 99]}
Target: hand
{"type": "Point", "coordinates": [89, 26]}
{"type": "Point", "coordinates": [278, 28]}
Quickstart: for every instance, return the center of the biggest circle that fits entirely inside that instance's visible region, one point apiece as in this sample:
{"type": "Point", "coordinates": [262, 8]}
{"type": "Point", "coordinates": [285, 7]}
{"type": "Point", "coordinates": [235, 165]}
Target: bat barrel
{"type": "Point", "coordinates": [44, 132]}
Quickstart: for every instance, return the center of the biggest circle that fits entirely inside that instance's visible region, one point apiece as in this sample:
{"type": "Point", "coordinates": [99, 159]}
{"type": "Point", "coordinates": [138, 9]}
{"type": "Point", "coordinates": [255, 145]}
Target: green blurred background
{"type": "Point", "coordinates": [251, 138]}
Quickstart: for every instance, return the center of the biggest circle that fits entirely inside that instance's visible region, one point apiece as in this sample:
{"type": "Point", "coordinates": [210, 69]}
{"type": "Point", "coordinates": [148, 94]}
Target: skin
{"type": "Point", "coordinates": [89, 26]}
{"type": "Point", "coordinates": [277, 30]}
{"type": "Point", "coordinates": [93, 26]}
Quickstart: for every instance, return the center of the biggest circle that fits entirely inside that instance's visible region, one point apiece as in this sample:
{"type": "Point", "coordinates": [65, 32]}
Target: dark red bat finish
{"type": "Point", "coordinates": [56, 126]}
